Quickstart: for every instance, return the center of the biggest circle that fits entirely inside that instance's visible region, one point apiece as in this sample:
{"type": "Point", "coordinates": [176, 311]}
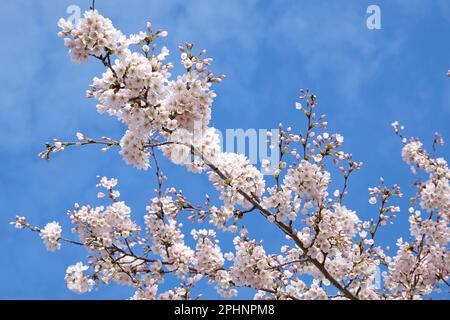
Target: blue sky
{"type": "Point", "coordinates": [365, 79]}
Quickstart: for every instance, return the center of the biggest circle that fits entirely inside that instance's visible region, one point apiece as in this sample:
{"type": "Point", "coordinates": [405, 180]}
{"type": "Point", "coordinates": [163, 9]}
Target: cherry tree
{"type": "Point", "coordinates": [329, 251]}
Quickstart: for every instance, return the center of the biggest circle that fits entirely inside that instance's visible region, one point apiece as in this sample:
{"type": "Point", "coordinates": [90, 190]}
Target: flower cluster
{"type": "Point", "coordinates": [435, 193]}
{"type": "Point", "coordinates": [252, 267]}
{"type": "Point", "coordinates": [101, 226]}
{"type": "Point", "coordinates": [133, 90]}
{"type": "Point", "coordinates": [413, 153]}
{"type": "Point", "coordinates": [168, 242]}
{"type": "Point", "coordinates": [308, 180]}
{"type": "Point", "coordinates": [239, 177]}
{"type": "Point", "coordinates": [192, 149]}
{"type": "Point", "coordinates": [136, 87]}
{"type": "Point", "coordinates": [208, 255]}
{"type": "Point", "coordinates": [281, 200]}
{"type": "Point", "coordinates": [190, 100]}
{"type": "Point", "coordinates": [76, 279]}
{"type": "Point", "coordinates": [421, 263]}
{"type": "Point", "coordinates": [337, 229]}
{"type": "Point", "coordinates": [93, 36]}
{"type": "Point", "coordinates": [219, 217]}
{"type": "Point", "coordinates": [51, 235]}
{"type": "Point", "coordinates": [133, 150]}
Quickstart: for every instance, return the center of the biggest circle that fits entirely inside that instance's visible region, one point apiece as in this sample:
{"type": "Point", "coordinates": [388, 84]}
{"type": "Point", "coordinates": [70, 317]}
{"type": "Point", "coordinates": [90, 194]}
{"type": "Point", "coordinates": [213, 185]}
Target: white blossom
{"type": "Point", "coordinates": [76, 279]}
{"type": "Point", "coordinates": [93, 35]}
{"type": "Point", "coordinates": [133, 150]}
{"type": "Point", "coordinates": [51, 234]}
{"type": "Point", "coordinates": [308, 180]}
{"type": "Point", "coordinates": [240, 176]}
{"type": "Point", "coordinates": [206, 144]}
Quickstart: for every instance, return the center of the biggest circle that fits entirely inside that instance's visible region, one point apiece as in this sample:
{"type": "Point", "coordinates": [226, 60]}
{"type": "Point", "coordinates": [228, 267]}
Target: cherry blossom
{"type": "Point", "coordinates": [308, 180]}
{"type": "Point", "coordinates": [76, 279]}
{"type": "Point", "coordinates": [93, 35]}
{"type": "Point", "coordinates": [239, 176]}
{"type": "Point", "coordinates": [330, 251]}
{"type": "Point", "coordinates": [51, 235]}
